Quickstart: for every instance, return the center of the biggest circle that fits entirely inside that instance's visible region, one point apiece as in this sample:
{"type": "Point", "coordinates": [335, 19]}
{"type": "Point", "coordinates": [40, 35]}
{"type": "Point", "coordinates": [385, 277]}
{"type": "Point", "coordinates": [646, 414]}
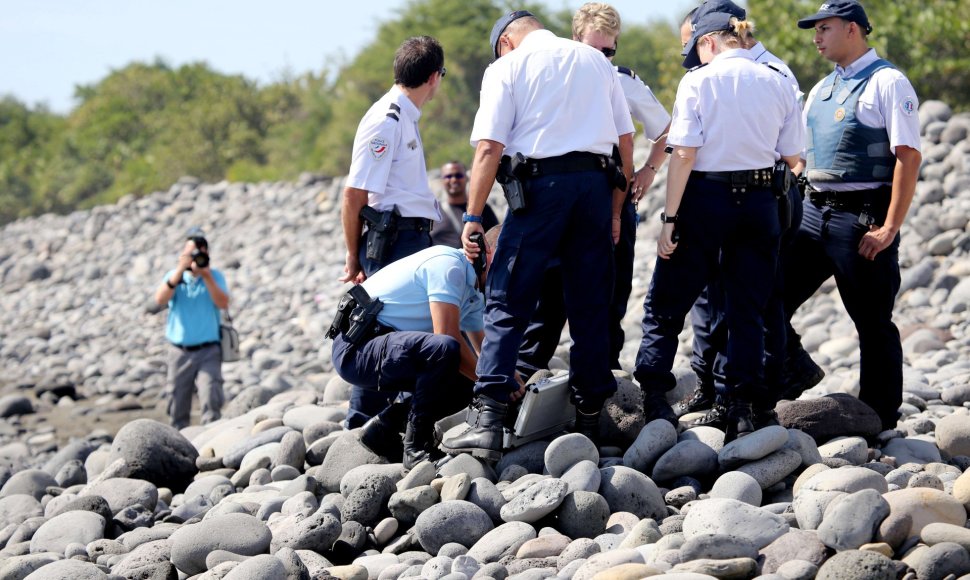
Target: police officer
{"type": "Point", "coordinates": [454, 182]}
{"type": "Point", "coordinates": [556, 103]}
{"type": "Point", "coordinates": [721, 217]}
{"type": "Point", "coordinates": [388, 176]}
{"type": "Point", "coordinates": [598, 25]}
{"type": "Point", "coordinates": [862, 162]}
{"type": "Point", "coordinates": [429, 298]}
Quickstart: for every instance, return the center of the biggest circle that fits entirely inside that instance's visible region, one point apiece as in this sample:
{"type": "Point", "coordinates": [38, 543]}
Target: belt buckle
{"type": "Point", "coordinates": [738, 179]}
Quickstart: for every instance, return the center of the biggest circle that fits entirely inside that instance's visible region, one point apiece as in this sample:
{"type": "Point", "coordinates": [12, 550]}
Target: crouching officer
{"type": "Point", "coordinates": [401, 331]}
{"type": "Point", "coordinates": [721, 220]}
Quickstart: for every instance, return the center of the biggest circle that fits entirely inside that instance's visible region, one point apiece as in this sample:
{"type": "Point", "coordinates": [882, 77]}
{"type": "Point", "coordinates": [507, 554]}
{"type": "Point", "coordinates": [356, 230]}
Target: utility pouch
{"type": "Point", "coordinates": [362, 323]}
{"type": "Point", "coordinates": [782, 179]}
{"type": "Point", "coordinates": [381, 232]}
{"type": "Point", "coordinates": [510, 182]}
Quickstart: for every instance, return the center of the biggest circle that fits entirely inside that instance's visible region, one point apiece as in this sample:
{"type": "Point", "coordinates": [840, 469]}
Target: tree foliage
{"type": "Point", "coordinates": [145, 125]}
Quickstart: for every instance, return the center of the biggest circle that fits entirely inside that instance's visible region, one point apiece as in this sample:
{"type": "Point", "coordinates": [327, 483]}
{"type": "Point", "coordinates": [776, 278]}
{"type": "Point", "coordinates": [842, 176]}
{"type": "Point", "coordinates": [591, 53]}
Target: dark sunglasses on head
{"type": "Point", "coordinates": [608, 52]}
{"type": "Point", "coordinates": [453, 176]}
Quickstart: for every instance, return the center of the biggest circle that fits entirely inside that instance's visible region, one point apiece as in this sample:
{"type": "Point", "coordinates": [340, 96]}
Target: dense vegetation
{"type": "Point", "coordinates": [145, 125]}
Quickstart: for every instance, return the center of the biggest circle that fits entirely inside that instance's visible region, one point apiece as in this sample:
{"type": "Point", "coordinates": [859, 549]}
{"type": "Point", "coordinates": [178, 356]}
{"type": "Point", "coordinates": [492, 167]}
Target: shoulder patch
{"type": "Point", "coordinates": [377, 147]}
{"type": "Point", "coordinates": [627, 71]}
{"type": "Point", "coordinates": [908, 106]}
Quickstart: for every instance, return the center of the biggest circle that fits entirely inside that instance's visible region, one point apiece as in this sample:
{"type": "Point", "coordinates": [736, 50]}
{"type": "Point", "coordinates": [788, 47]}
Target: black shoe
{"type": "Point", "coordinates": [588, 425]}
{"type": "Point", "coordinates": [762, 417]}
{"type": "Point", "coordinates": [381, 437]}
{"type": "Point", "coordinates": [655, 406]}
{"type": "Point", "coordinates": [419, 444]}
{"type": "Point", "coordinates": [738, 421]}
{"type": "Point", "coordinates": [716, 417]}
{"type": "Point", "coordinates": [484, 437]}
{"type": "Point", "coordinates": [799, 374]}
{"type": "Point", "coordinates": [700, 400]}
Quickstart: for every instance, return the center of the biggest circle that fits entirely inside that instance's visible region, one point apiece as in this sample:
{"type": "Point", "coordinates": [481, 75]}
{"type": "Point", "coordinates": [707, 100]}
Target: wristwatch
{"type": "Point", "coordinates": [667, 219]}
{"type": "Point", "coordinates": [467, 217]}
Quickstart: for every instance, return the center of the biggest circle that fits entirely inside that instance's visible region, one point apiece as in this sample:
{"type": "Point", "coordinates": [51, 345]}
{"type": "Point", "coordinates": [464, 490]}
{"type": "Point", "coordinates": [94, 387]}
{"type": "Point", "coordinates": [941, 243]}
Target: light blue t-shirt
{"type": "Point", "coordinates": [435, 274]}
{"type": "Point", "coordinates": [192, 316]}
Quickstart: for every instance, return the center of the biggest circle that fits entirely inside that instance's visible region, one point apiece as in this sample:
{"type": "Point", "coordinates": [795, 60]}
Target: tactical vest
{"type": "Point", "coordinates": [840, 148]}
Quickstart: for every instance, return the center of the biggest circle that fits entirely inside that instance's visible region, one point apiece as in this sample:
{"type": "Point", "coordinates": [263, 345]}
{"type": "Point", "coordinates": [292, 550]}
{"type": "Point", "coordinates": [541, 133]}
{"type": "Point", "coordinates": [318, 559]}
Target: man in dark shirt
{"type": "Point", "coordinates": [447, 232]}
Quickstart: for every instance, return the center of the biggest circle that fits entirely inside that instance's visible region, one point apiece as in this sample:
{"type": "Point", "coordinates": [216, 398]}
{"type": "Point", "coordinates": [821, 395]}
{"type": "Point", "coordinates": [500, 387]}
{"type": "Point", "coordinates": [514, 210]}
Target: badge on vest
{"type": "Point", "coordinates": [377, 147]}
{"type": "Point", "coordinates": [840, 114]}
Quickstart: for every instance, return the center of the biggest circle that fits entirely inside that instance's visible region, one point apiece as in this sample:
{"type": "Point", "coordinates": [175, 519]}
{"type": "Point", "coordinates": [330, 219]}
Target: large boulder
{"type": "Point", "coordinates": [155, 452]}
{"type": "Point", "coordinates": [824, 418]}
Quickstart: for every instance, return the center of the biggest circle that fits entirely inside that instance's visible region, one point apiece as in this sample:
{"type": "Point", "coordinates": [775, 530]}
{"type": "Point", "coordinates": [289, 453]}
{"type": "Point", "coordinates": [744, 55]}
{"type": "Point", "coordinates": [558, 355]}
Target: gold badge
{"type": "Point", "coordinates": [840, 113]}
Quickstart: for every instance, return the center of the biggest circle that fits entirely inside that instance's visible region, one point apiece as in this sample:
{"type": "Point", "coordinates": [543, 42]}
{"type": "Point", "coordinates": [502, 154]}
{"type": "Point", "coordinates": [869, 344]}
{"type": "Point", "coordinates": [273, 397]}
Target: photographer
{"type": "Point", "coordinates": [194, 293]}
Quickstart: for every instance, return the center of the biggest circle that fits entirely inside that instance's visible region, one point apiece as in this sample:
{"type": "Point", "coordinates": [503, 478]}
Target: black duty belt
{"type": "Point", "coordinates": [743, 178]}
{"type": "Point", "coordinates": [412, 223]}
{"type": "Point", "coordinates": [851, 201]}
{"type": "Point", "coordinates": [568, 163]}
{"type": "Point", "coordinates": [193, 347]}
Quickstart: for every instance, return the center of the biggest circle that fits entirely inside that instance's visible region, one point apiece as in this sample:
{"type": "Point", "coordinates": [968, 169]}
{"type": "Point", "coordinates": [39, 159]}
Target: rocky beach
{"type": "Point", "coordinates": [94, 483]}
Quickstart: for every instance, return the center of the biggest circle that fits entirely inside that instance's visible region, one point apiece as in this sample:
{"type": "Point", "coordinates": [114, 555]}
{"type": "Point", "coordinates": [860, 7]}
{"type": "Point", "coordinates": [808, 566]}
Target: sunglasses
{"type": "Point", "coordinates": [608, 52]}
{"type": "Point", "coordinates": [453, 176]}
{"type": "Point", "coordinates": [442, 70]}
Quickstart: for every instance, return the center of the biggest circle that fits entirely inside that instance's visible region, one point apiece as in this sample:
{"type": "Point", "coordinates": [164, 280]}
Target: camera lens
{"type": "Point", "coordinates": [201, 259]}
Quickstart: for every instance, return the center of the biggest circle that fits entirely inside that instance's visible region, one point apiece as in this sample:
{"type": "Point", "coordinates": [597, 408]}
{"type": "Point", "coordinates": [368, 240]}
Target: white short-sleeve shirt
{"type": "Point", "coordinates": [388, 158]}
{"type": "Point", "coordinates": [644, 106]}
{"type": "Point", "coordinates": [888, 101]}
{"type": "Point", "coordinates": [763, 55]}
{"type": "Point", "coordinates": [738, 113]}
{"type": "Point", "coordinates": [551, 96]}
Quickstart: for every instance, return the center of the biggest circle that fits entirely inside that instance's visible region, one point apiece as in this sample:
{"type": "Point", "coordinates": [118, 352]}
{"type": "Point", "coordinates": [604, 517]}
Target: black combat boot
{"type": "Point", "coordinates": [715, 417]}
{"type": "Point", "coordinates": [419, 444]}
{"type": "Point", "coordinates": [799, 373]}
{"type": "Point", "coordinates": [382, 432]}
{"type": "Point", "coordinates": [484, 436]}
{"type": "Point", "coordinates": [763, 416]}
{"type": "Point", "coordinates": [701, 399]}
{"type": "Point", "coordinates": [655, 406]}
{"type": "Point", "coordinates": [588, 424]}
{"type": "Point", "coordinates": [738, 421]}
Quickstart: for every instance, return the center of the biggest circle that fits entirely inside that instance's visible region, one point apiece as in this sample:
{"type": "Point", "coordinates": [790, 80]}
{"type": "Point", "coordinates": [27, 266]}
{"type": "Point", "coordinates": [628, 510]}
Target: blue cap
{"type": "Point", "coordinates": [501, 24]}
{"type": "Point", "coordinates": [704, 23]}
{"type": "Point", "coordinates": [725, 6]}
{"type": "Point", "coordinates": [194, 232]}
{"type": "Point", "coordinates": [845, 9]}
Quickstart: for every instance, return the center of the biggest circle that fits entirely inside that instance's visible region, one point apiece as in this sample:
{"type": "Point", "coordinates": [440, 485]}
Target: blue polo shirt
{"type": "Point", "coordinates": [192, 316]}
{"type": "Point", "coordinates": [436, 274]}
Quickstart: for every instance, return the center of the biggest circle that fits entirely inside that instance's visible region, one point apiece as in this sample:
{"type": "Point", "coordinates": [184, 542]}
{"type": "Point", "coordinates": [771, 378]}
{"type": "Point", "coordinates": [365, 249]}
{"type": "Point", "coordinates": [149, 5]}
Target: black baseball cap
{"type": "Point", "coordinates": [845, 9]}
{"type": "Point", "coordinates": [725, 6]}
{"type": "Point", "coordinates": [704, 23]}
{"type": "Point", "coordinates": [501, 24]}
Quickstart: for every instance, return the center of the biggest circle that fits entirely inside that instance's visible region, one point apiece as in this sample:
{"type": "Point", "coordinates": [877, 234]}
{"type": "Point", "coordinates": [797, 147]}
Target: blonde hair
{"type": "Point", "coordinates": [597, 16]}
{"type": "Point", "coordinates": [740, 31]}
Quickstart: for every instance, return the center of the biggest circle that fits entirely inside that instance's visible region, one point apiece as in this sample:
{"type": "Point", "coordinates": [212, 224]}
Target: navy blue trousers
{"type": "Point", "coordinates": [365, 403]}
{"type": "Point", "coordinates": [568, 217]}
{"type": "Point", "coordinates": [724, 236]}
{"type": "Point", "coordinates": [827, 244]}
{"type": "Point", "coordinates": [542, 336]}
{"type": "Point", "coordinates": [421, 363]}
{"type": "Point", "coordinates": [710, 332]}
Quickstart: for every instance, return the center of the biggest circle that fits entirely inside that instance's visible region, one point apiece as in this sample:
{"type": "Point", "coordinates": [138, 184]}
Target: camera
{"type": "Point", "coordinates": [200, 258]}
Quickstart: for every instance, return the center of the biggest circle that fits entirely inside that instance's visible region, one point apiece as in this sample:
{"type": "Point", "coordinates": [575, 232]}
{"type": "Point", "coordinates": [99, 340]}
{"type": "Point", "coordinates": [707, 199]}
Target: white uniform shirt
{"type": "Point", "coordinates": [889, 100]}
{"type": "Point", "coordinates": [644, 106]}
{"type": "Point", "coordinates": [551, 96]}
{"type": "Point", "coordinates": [388, 159]}
{"type": "Point", "coordinates": [738, 113]}
{"type": "Point", "coordinates": [762, 55]}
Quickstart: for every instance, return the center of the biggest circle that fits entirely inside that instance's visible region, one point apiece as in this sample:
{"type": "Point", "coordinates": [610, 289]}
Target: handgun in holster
{"type": "Point", "coordinates": [341, 320]}
{"type": "Point", "coordinates": [614, 170]}
{"type": "Point", "coordinates": [510, 182]}
{"type": "Point", "coordinates": [381, 231]}
{"type": "Point", "coordinates": [479, 263]}
{"type": "Point", "coordinates": [362, 323]}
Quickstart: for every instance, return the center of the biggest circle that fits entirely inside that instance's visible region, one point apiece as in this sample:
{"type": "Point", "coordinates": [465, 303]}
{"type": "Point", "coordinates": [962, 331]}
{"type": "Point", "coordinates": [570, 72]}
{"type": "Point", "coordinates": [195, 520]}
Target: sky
{"type": "Point", "coordinates": [48, 47]}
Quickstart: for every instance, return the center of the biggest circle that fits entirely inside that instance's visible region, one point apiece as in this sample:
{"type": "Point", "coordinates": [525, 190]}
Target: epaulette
{"type": "Point", "coordinates": [775, 68]}
{"type": "Point", "coordinates": [627, 71]}
{"type": "Point", "coordinates": [394, 110]}
{"type": "Point", "coordinates": [697, 67]}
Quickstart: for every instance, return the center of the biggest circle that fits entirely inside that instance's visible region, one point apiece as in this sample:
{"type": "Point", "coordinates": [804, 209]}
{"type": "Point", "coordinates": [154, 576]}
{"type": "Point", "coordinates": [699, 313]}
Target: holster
{"type": "Point", "coordinates": [381, 232]}
{"type": "Point", "coordinates": [782, 180]}
{"type": "Point", "coordinates": [511, 184]}
{"type": "Point", "coordinates": [615, 170]}
{"type": "Point", "coordinates": [356, 317]}
{"type": "Point", "coordinates": [341, 320]}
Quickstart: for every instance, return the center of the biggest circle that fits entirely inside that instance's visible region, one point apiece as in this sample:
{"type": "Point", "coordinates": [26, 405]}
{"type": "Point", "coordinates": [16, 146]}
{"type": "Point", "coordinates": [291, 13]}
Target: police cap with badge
{"type": "Point", "coordinates": [712, 16]}
{"type": "Point", "coordinates": [849, 10]}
